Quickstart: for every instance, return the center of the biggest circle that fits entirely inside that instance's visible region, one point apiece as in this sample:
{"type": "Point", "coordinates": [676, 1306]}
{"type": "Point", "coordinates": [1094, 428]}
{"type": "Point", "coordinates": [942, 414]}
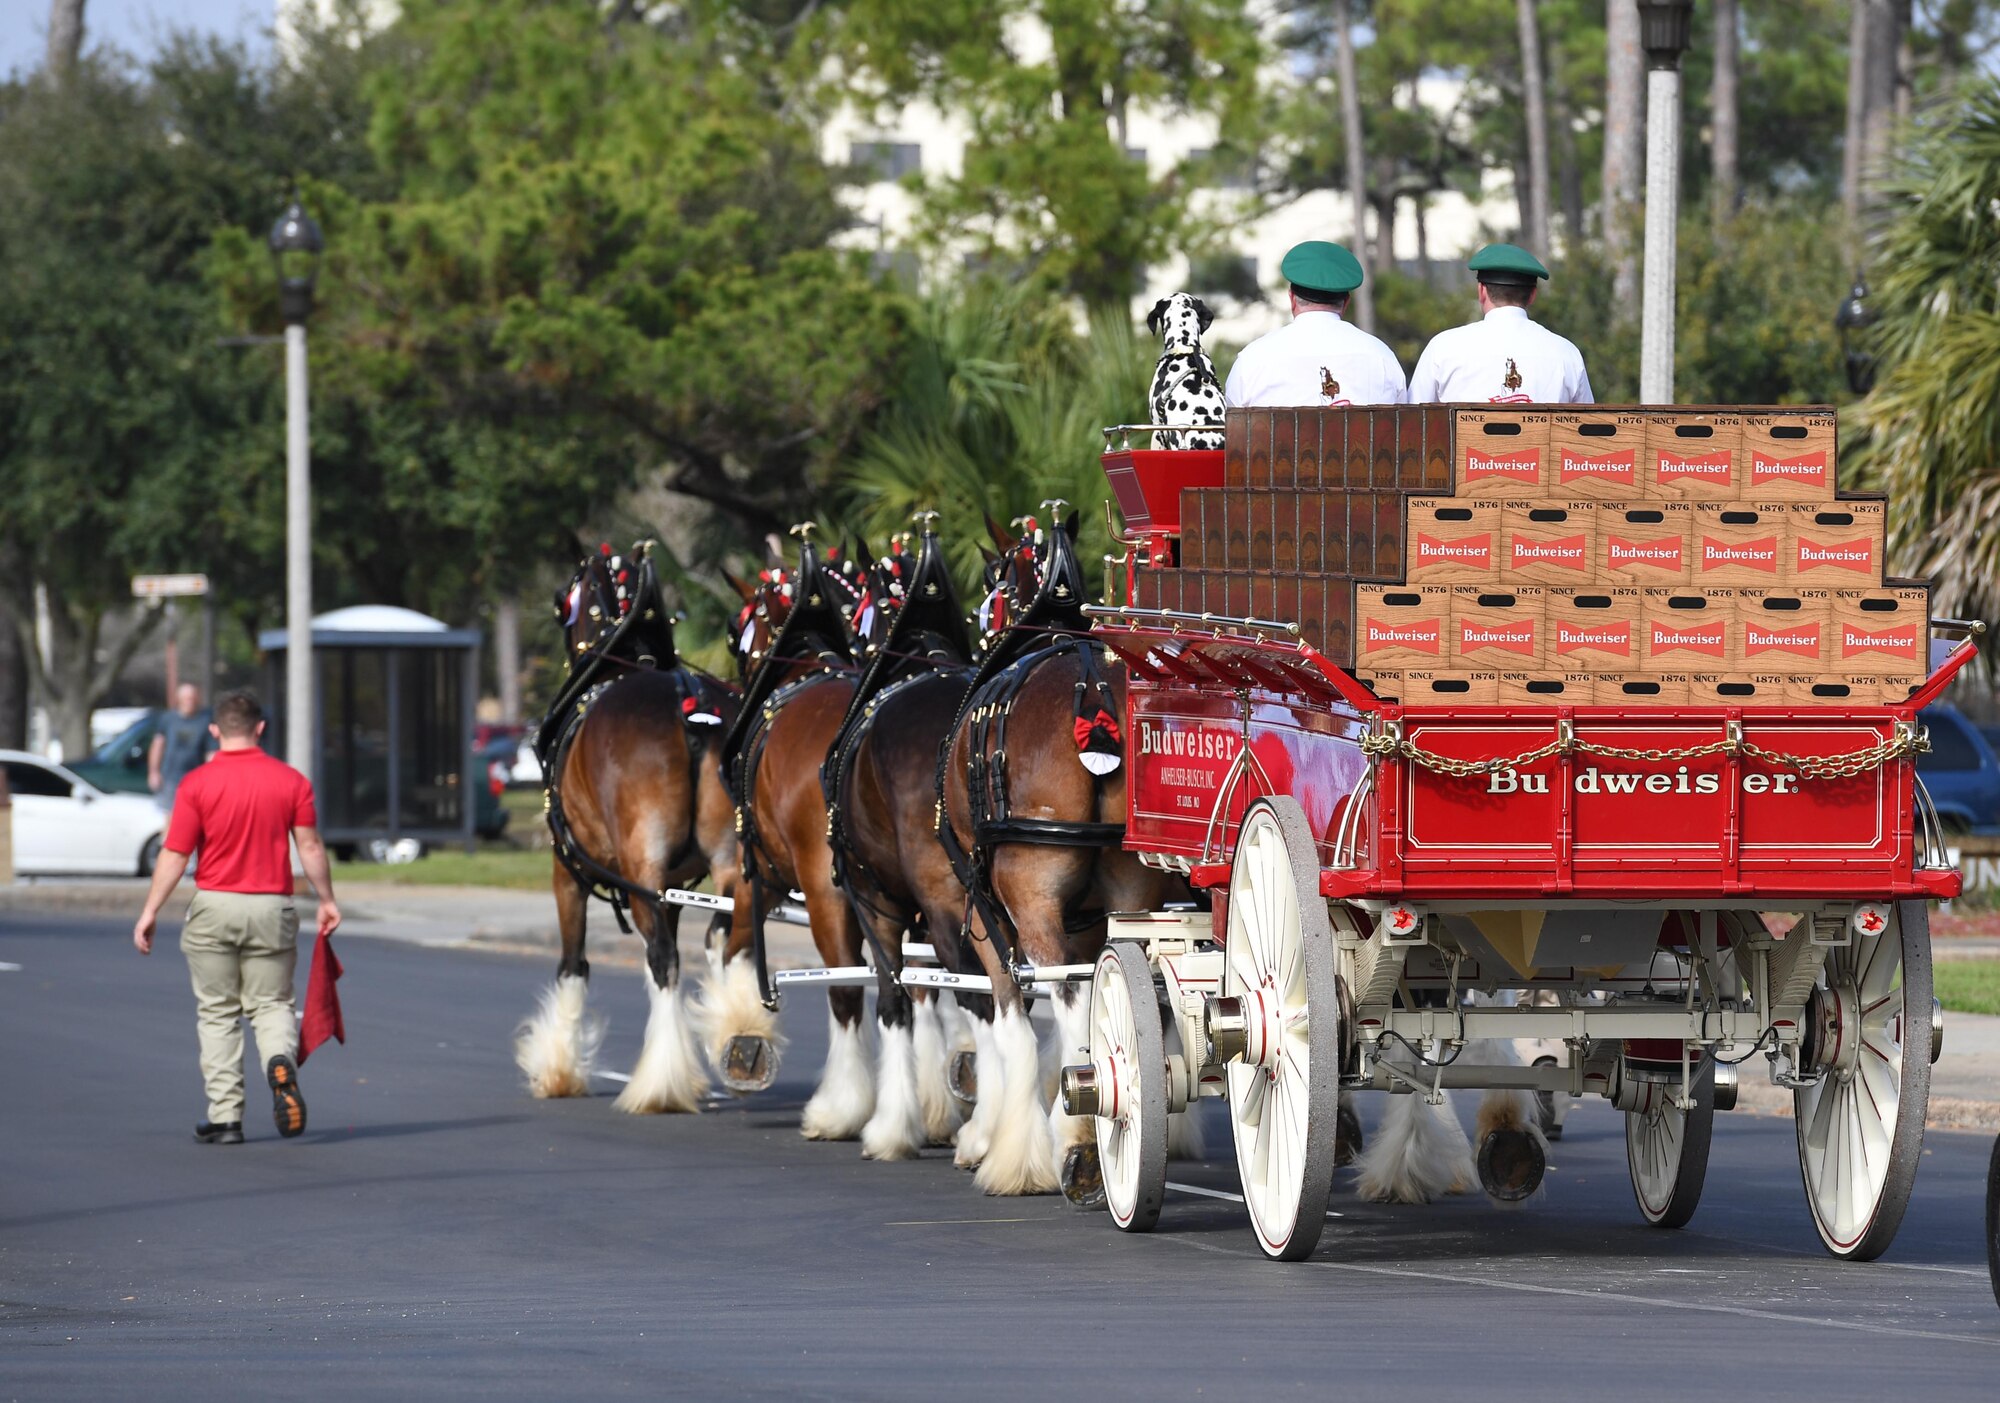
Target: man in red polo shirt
{"type": "Point", "coordinates": [241, 811]}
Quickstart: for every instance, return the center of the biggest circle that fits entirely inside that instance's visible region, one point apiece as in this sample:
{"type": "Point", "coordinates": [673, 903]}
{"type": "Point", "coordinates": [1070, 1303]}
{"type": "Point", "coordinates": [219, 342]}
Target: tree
{"type": "Point", "coordinates": [1930, 430]}
{"type": "Point", "coordinates": [1535, 204]}
{"type": "Point", "coordinates": [1624, 98]}
{"type": "Point", "coordinates": [1722, 110]}
{"type": "Point", "coordinates": [65, 37]}
{"type": "Point", "coordinates": [1357, 166]}
{"type": "Point", "coordinates": [1047, 187]}
{"type": "Point", "coordinates": [1875, 42]}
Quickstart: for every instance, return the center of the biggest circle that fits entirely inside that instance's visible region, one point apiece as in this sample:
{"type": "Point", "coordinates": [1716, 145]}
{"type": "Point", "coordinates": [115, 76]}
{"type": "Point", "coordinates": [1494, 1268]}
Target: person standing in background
{"type": "Point", "coordinates": [180, 744]}
{"type": "Point", "coordinates": [241, 812]}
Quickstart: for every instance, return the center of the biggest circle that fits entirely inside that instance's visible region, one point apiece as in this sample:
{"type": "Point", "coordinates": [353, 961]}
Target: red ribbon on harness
{"type": "Point", "coordinates": [322, 1018]}
{"type": "Point", "coordinates": [1103, 721]}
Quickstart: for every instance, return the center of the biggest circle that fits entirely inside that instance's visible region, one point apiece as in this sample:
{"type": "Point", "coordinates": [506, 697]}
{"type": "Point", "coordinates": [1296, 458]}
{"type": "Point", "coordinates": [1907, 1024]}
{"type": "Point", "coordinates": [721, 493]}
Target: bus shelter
{"type": "Point", "coordinates": [393, 750]}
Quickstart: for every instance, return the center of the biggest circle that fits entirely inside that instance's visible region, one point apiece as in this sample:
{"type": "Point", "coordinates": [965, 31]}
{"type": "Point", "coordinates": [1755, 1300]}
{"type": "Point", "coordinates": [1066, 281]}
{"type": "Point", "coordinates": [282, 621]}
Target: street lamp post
{"type": "Point", "coordinates": [1664, 26]}
{"type": "Point", "coordinates": [295, 249]}
{"type": "Point", "coordinates": [1852, 322]}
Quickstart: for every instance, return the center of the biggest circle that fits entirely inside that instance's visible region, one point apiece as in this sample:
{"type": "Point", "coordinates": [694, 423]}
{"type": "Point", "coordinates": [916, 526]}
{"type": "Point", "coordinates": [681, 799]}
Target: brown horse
{"type": "Point", "coordinates": [1033, 801]}
{"type": "Point", "coordinates": [881, 795]}
{"type": "Point", "coordinates": [636, 807]}
{"type": "Point", "coordinates": [795, 645]}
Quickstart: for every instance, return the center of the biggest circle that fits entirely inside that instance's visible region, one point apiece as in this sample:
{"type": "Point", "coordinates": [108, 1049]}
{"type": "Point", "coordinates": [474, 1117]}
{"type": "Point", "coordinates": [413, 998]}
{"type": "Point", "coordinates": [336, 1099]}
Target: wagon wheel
{"type": "Point", "coordinates": [1128, 1049]}
{"type": "Point", "coordinates": [1284, 1091]}
{"type": "Point", "coordinates": [1666, 1150]}
{"type": "Point", "coordinates": [1993, 1220]}
{"type": "Point", "coordinates": [1861, 1129]}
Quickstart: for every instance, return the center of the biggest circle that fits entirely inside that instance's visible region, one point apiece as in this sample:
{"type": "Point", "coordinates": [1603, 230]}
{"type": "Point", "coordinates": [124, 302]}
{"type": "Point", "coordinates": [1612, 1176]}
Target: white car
{"type": "Point", "coordinates": [63, 824]}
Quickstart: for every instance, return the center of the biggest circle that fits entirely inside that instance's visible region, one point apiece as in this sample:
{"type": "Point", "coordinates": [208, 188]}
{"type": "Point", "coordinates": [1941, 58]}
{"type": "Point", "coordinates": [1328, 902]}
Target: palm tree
{"type": "Point", "coordinates": [1932, 424]}
{"type": "Point", "coordinates": [999, 408]}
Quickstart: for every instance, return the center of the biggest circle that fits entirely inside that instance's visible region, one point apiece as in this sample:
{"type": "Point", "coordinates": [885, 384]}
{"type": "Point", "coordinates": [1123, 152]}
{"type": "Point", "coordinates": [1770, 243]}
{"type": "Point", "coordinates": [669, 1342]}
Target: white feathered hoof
{"type": "Point", "coordinates": [973, 1138]}
{"type": "Point", "coordinates": [731, 1017]}
{"type": "Point", "coordinates": [940, 1110]}
{"type": "Point", "coordinates": [668, 1077]}
{"type": "Point", "coordinates": [1184, 1137]}
{"type": "Point", "coordinates": [845, 1098]}
{"type": "Point", "coordinates": [1082, 1176]}
{"type": "Point", "coordinates": [963, 1078]}
{"type": "Point", "coordinates": [1020, 1156]}
{"type": "Point", "coordinates": [1513, 1155]}
{"type": "Point", "coordinates": [1348, 1141]}
{"type": "Point", "coordinates": [748, 1064]}
{"type": "Point", "coordinates": [896, 1130]}
{"type": "Point", "coordinates": [557, 1044]}
{"type": "Point", "coordinates": [1419, 1153]}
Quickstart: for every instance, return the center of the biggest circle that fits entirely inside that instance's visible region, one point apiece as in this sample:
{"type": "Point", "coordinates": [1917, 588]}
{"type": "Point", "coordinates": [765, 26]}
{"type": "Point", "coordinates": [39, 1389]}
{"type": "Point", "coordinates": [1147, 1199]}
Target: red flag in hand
{"type": "Point", "coordinates": [322, 1016]}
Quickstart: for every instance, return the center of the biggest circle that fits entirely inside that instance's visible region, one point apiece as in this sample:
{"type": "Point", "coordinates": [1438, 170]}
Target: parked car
{"type": "Point", "coordinates": [64, 824]}
{"type": "Point", "coordinates": [119, 765]}
{"type": "Point", "coordinates": [1961, 772]}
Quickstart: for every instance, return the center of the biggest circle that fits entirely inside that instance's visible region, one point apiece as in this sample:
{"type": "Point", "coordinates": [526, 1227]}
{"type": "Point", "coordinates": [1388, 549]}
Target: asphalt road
{"type": "Point", "coordinates": [436, 1233]}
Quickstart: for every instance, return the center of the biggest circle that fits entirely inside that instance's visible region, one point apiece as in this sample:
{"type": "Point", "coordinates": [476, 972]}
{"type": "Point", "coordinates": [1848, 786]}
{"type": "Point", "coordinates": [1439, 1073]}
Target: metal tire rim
{"type": "Point", "coordinates": [1128, 1047]}
{"type": "Point", "coordinates": [1860, 1130]}
{"type": "Point", "coordinates": [1278, 957]}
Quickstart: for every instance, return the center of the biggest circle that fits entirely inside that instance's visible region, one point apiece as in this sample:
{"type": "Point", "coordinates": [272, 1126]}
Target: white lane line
{"type": "Point", "coordinates": [948, 1222]}
{"type": "Point", "coordinates": [611, 1076]}
{"type": "Point", "coordinates": [1224, 1195]}
{"type": "Point", "coordinates": [9, 968]}
{"type": "Point", "coordinates": [1612, 1297]}
{"type": "Point", "coordinates": [1877, 1265]}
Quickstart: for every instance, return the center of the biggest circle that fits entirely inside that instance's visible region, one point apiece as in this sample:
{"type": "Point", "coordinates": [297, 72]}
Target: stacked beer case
{"type": "Point", "coordinates": [1574, 554]}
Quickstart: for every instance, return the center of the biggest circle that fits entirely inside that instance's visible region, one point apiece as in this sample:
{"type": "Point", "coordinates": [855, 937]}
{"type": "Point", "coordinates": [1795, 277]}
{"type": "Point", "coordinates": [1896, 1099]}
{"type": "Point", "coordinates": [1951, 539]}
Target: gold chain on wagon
{"type": "Point", "coordinates": [1905, 739]}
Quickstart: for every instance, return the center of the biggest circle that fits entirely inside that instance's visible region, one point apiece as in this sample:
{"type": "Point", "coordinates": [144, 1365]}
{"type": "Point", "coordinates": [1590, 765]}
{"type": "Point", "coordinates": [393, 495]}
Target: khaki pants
{"type": "Point", "coordinates": [241, 950]}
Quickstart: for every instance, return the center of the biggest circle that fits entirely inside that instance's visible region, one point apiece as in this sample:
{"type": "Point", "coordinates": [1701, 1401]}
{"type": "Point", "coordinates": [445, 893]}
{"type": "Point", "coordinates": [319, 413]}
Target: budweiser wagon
{"type": "Point", "coordinates": [1484, 724]}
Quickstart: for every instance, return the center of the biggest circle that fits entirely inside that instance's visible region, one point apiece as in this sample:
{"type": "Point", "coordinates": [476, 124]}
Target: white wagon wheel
{"type": "Point", "coordinates": [1666, 1150]}
{"type": "Point", "coordinates": [1861, 1129]}
{"type": "Point", "coordinates": [1128, 1051]}
{"type": "Point", "coordinates": [1993, 1220]}
{"type": "Point", "coordinates": [1284, 1090]}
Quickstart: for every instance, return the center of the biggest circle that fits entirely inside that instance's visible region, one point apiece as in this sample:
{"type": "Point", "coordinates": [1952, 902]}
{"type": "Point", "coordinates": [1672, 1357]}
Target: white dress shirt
{"type": "Point", "coordinates": [1504, 358]}
{"type": "Point", "coordinates": [1317, 360]}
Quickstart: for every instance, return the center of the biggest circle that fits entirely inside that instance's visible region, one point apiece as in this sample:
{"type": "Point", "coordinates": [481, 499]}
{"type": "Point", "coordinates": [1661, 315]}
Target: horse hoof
{"type": "Point", "coordinates": [1347, 1138]}
{"type": "Point", "coordinates": [1511, 1165]}
{"type": "Point", "coordinates": [1082, 1177]}
{"type": "Point", "coordinates": [963, 1078]}
{"type": "Point", "coordinates": [749, 1063]}
{"type": "Point", "coordinates": [1553, 1132]}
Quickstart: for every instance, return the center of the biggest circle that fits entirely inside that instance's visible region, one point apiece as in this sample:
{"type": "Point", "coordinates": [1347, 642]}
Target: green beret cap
{"type": "Point", "coordinates": [1506, 263]}
{"type": "Point", "coordinates": [1321, 267]}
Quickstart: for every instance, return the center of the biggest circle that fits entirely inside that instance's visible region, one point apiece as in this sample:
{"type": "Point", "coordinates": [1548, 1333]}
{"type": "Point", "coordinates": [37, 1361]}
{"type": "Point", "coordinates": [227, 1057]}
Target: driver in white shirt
{"type": "Point", "coordinates": [1319, 359]}
{"type": "Point", "coordinates": [1503, 358]}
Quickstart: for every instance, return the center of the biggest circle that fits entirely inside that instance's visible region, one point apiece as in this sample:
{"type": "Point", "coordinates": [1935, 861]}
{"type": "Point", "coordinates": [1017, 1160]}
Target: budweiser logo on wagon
{"type": "Point", "coordinates": [1594, 780]}
{"type": "Point", "coordinates": [1198, 743]}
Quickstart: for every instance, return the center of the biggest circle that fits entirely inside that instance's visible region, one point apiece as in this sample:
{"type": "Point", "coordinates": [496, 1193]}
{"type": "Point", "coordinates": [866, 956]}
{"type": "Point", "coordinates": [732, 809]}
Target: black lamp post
{"type": "Point", "coordinates": [1852, 322]}
{"type": "Point", "coordinates": [1665, 27]}
{"type": "Point", "coordinates": [296, 246]}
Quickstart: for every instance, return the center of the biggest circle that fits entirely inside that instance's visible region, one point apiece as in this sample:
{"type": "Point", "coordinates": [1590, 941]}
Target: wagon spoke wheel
{"type": "Point", "coordinates": [1128, 1050]}
{"type": "Point", "coordinates": [1666, 1149]}
{"type": "Point", "coordinates": [1861, 1129]}
{"type": "Point", "coordinates": [1283, 1092]}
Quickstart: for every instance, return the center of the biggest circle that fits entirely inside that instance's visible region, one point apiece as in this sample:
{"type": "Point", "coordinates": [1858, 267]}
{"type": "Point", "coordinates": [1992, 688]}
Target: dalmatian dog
{"type": "Point", "coordinates": [1185, 390]}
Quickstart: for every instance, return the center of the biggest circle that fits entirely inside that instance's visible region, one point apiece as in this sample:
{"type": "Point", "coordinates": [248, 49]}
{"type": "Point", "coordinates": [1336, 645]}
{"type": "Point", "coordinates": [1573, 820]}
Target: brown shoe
{"type": "Point", "coordinates": [288, 1103]}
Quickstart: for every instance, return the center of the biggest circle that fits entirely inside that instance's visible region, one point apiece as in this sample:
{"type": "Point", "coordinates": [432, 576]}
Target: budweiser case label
{"type": "Point", "coordinates": [1668, 553]}
{"type": "Point", "coordinates": [1900, 641]}
{"type": "Point", "coordinates": [1522, 465]}
{"type": "Point", "coordinates": [1760, 554]}
{"type": "Point", "coordinates": [1858, 555]}
{"type": "Point", "coordinates": [1675, 468]}
{"type": "Point", "coordinates": [1616, 465]}
{"type": "Point", "coordinates": [1760, 638]}
{"type": "Point", "coordinates": [1708, 638]}
{"type": "Point", "coordinates": [1567, 552]}
{"type": "Point", "coordinates": [1613, 637]}
{"type": "Point", "coordinates": [1805, 470]}
{"type": "Point", "coordinates": [1420, 635]}
{"type": "Point", "coordinates": [1475, 550]}
{"type": "Point", "coordinates": [1476, 635]}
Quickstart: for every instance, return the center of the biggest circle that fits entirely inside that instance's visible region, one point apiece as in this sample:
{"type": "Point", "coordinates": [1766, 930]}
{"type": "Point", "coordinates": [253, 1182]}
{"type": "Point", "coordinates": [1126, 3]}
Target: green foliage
{"type": "Point", "coordinates": [999, 408]}
{"type": "Point", "coordinates": [1046, 184]}
{"type": "Point", "coordinates": [1932, 425]}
